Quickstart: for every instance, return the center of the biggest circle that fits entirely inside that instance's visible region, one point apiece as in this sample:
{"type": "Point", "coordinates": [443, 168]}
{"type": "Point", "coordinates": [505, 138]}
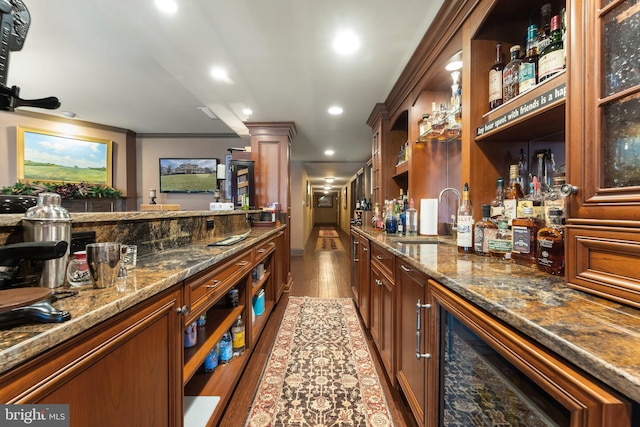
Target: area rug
{"type": "Point", "coordinates": [328, 233]}
{"type": "Point", "coordinates": [329, 244]}
{"type": "Point", "coordinates": [320, 372]}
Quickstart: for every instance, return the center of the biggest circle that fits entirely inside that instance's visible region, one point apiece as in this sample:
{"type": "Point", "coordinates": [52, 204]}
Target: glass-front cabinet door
{"type": "Point", "coordinates": [603, 147]}
{"type": "Point", "coordinates": [604, 113]}
{"type": "Point", "coordinates": [486, 374]}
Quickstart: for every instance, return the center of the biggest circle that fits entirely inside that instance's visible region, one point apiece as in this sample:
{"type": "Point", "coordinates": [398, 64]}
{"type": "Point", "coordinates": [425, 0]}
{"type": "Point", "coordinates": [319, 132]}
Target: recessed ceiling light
{"type": "Point", "coordinates": [453, 66]}
{"type": "Point", "coordinates": [167, 6]}
{"type": "Point", "coordinates": [335, 110]}
{"type": "Point", "coordinates": [220, 74]}
{"type": "Point", "coordinates": [329, 152]}
{"type": "Point", "coordinates": [68, 114]}
{"type": "Point", "coordinates": [247, 111]}
{"type": "Point", "coordinates": [329, 179]}
{"type": "Point", "coordinates": [346, 42]}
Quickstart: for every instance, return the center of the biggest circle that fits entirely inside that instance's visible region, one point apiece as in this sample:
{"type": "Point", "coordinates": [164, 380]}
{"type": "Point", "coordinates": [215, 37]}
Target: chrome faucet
{"type": "Point", "coordinates": [453, 217]}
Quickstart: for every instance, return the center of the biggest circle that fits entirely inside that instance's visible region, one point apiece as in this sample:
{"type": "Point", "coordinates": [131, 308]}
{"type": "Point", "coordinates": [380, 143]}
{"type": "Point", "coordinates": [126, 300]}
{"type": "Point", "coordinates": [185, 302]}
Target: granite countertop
{"type": "Point", "coordinates": [599, 336]}
{"type": "Point", "coordinates": [153, 274]}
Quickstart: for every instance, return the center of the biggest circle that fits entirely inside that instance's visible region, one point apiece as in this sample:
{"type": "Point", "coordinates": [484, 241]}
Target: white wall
{"type": "Point", "coordinates": [149, 150]}
{"type": "Point", "coordinates": [301, 213]}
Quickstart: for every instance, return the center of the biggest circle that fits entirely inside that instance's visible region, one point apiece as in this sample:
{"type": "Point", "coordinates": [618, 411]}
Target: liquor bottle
{"type": "Point", "coordinates": [412, 219]}
{"type": "Point", "coordinates": [465, 223]}
{"type": "Point", "coordinates": [524, 231]}
{"type": "Point", "coordinates": [510, 83]}
{"type": "Point", "coordinates": [425, 127]}
{"type": "Point", "coordinates": [497, 204]}
{"type": "Point", "coordinates": [523, 170]}
{"type": "Point", "coordinates": [551, 245]}
{"type": "Point", "coordinates": [483, 231]}
{"type": "Point", "coordinates": [500, 245]}
{"type": "Point", "coordinates": [399, 223]}
{"type": "Point", "coordinates": [391, 223]}
{"type": "Point", "coordinates": [553, 199]}
{"type": "Point", "coordinates": [495, 79]}
{"type": "Point", "coordinates": [528, 72]}
{"type": "Point", "coordinates": [552, 59]}
{"type": "Point", "coordinates": [512, 194]}
{"type": "Point", "coordinates": [237, 337]}
{"type": "Point", "coordinates": [544, 32]}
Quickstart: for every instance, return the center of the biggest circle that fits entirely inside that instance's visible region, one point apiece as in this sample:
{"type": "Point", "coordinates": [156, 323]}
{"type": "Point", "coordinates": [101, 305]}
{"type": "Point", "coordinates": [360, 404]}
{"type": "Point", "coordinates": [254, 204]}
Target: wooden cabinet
{"type": "Point", "coordinates": [514, 380]}
{"type": "Point", "coordinates": [382, 316]}
{"type": "Point", "coordinates": [414, 333]}
{"type": "Point", "coordinates": [281, 260]}
{"type": "Point", "coordinates": [603, 228]}
{"type": "Point", "coordinates": [125, 371]}
{"type": "Point", "coordinates": [360, 266]}
{"type": "Point", "coordinates": [271, 152]}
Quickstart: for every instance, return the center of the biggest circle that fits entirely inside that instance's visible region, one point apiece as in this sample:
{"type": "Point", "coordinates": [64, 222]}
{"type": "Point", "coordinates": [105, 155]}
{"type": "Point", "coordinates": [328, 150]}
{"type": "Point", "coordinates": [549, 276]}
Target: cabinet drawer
{"type": "Point", "coordinates": [384, 259]}
{"type": "Point", "coordinates": [604, 261]}
{"type": "Point", "coordinates": [209, 286]}
{"type": "Point", "coordinates": [264, 249]}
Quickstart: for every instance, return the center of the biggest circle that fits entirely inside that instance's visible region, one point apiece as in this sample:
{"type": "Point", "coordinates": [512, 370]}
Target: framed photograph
{"type": "Point", "coordinates": [188, 175]}
{"type": "Point", "coordinates": [324, 201]}
{"type": "Point", "coordinates": [55, 157]}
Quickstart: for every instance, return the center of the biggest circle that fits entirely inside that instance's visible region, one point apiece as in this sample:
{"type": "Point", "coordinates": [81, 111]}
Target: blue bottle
{"type": "Point", "coordinates": [226, 351]}
{"type": "Point", "coordinates": [211, 361]}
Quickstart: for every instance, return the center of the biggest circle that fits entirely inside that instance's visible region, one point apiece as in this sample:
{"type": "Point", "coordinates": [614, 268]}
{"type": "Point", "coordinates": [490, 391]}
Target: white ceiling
{"type": "Point", "coordinates": [124, 63]}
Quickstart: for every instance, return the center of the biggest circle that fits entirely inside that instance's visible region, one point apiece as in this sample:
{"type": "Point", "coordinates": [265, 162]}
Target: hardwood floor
{"type": "Point", "coordinates": [317, 274]}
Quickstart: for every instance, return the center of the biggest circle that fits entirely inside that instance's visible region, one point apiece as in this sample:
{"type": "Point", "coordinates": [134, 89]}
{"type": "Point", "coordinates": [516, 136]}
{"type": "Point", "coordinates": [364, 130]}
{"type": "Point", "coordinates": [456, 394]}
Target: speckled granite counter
{"type": "Point", "coordinates": [153, 274]}
{"type": "Point", "coordinates": [598, 336]}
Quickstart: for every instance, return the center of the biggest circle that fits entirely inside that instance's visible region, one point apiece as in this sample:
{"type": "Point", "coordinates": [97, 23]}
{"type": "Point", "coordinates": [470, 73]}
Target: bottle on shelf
{"type": "Point", "coordinates": [211, 361]}
{"type": "Point", "coordinates": [411, 219]}
{"type": "Point", "coordinates": [500, 245]}
{"type": "Point", "coordinates": [497, 204]}
{"type": "Point", "coordinates": [399, 224]}
{"type": "Point", "coordinates": [524, 231]}
{"type": "Point", "coordinates": [391, 222]}
{"type": "Point", "coordinates": [237, 337]}
{"type": "Point", "coordinates": [483, 231]}
{"type": "Point", "coordinates": [495, 79]}
{"type": "Point", "coordinates": [226, 352]}
{"type": "Point", "coordinates": [512, 194]}
{"type": "Point", "coordinates": [523, 170]}
{"type": "Point", "coordinates": [551, 245]}
{"type": "Point", "coordinates": [465, 223]}
{"type": "Point", "coordinates": [544, 32]}
{"type": "Point", "coordinates": [553, 199]}
{"type": "Point", "coordinates": [510, 82]}
{"type": "Point", "coordinates": [552, 59]}
{"type": "Point", "coordinates": [425, 127]}
{"type": "Point", "coordinates": [528, 71]}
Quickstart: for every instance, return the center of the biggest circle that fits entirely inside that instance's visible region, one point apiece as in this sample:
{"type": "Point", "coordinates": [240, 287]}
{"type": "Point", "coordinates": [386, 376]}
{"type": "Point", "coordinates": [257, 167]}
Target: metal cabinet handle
{"type": "Point", "coordinates": [419, 307]}
{"type": "Point", "coordinates": [380, 257]}
{"type": "Point", "coordinates": [568, 190]}
{"type": "Point", "coordinates": [243, 263]}
{"type": "Point", "coordinates": [272, 243]}
{"type": "Point", "coordinates": [405, 268]}
{"type": "Point", "coordinates": [364, 248]}
{"type": "Point", "coordinates": [378, 282]}
{"type": "Point", "coordinates": [214, 284]}
{"type": "Point", "coordinates": [356, 259]}
{"type": "Point", "coordinates": [184, 310]}
{"type": "Point", "coordinates": [261, 250]}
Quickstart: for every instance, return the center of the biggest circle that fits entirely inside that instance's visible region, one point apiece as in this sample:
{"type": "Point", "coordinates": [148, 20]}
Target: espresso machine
{"type": "Point", "coordinates": [21, 299]}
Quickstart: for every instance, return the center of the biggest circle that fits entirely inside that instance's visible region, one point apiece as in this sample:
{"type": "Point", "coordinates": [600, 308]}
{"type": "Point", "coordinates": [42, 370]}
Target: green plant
{"type": "Point", "coordinates": [80, 190]}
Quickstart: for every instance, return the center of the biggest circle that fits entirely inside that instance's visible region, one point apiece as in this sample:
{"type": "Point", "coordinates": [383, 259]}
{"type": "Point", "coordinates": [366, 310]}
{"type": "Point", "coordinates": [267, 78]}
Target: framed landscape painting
{"type": "Point", "coordinates": [55, 157]}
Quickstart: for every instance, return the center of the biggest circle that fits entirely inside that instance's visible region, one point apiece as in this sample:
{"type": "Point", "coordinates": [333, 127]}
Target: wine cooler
{"type": "Point", "coordinates": [486, 374]}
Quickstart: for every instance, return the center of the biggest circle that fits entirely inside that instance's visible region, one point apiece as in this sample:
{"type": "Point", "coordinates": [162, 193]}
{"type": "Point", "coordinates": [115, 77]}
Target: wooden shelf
{"type": "Point", "coordinates": [220, 383]}
{"type": "Point", "coordinates": [535, 113]}
{"type": "Point", "coordinates": [261, 320]}
{"type": "Point", "coordinates": [219, 321]}
{"type": "Point", "coordinates": [256, 286]}
{"type": "Point", "coordinates": [402, 168]}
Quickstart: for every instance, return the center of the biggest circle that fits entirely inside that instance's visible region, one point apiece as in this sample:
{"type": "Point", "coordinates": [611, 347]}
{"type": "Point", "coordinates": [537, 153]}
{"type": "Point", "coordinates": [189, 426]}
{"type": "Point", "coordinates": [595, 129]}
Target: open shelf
{"type": "Point", "coordinates": [536, 113]}
{"type": "Point", "coordinates": [256, 286]}
{"type": "Point", "coordinates": [219, 321]}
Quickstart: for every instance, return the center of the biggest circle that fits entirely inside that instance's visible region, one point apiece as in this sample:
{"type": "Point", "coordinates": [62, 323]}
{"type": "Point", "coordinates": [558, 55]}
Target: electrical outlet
{"type": "Point", "coordinates": [210, 224]}
{"type": "Point", "coordinates": [80, 239]}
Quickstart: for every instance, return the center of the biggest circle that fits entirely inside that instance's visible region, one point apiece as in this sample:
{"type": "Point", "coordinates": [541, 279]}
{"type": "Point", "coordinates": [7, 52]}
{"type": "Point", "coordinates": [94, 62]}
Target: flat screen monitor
{"type": "Point", "coordinates": [188, 175]}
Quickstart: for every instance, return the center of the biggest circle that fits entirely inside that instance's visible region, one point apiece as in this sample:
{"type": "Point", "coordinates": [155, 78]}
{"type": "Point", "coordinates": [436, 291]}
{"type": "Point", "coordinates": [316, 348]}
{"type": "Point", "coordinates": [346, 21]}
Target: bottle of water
{"type": "Point", "coordinates": [226, 352]}
{"type": "Point", "coordinates": [237, 333]}
{"type": "Point", "coordinates": [211, 362]}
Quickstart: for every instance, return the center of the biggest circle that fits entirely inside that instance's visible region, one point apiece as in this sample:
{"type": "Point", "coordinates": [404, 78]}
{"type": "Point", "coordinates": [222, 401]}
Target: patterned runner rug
{"type": "Point", "coordinates": [320, 372]}
{"type": "Point", "coordinates": [329, 244]}
{"type": "Point", "coordinates": [328, 233]}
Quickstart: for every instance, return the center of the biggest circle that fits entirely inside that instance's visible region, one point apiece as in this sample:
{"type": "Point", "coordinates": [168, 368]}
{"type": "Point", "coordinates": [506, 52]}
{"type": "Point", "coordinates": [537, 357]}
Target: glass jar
{"type": "Point", "coordinates": [78, 270]}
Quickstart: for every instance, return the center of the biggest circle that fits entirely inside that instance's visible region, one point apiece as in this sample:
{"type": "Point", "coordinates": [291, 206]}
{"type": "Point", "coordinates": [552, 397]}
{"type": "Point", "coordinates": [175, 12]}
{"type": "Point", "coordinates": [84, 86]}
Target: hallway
{"type": "Point", "coordinates": [324, 274]}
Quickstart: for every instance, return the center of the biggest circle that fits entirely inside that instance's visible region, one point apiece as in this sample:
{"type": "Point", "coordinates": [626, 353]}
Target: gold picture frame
{"type": "Point", "coordinates": [49, 156]}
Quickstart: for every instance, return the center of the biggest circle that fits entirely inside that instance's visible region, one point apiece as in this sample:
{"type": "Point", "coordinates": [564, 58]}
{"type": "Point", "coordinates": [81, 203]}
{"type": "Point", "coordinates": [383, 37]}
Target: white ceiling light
{"type": "Point", "coordinates": [329, 152]}
{"type": "Point", "coordinates": [346, 42]}
{"type": "Point", "coordinates": [329, 179]}
{"type": "Point", "coordinates": [453, 66]}
{"type": "Point", "coordinates": [247, 111]}
{"type": "Point", "coordinates": [220, 74]}
{"type": "Point", "coordinates": [167, 6]}
{"type": "Point", "coordinates": [335, 110]}
{"type": "Point", "coordinates": [68, 114]}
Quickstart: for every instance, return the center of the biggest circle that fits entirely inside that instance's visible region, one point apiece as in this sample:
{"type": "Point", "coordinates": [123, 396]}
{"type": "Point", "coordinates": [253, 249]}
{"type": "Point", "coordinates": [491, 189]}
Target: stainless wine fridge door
{"type": "Point", "coordinates": [487, 374]}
